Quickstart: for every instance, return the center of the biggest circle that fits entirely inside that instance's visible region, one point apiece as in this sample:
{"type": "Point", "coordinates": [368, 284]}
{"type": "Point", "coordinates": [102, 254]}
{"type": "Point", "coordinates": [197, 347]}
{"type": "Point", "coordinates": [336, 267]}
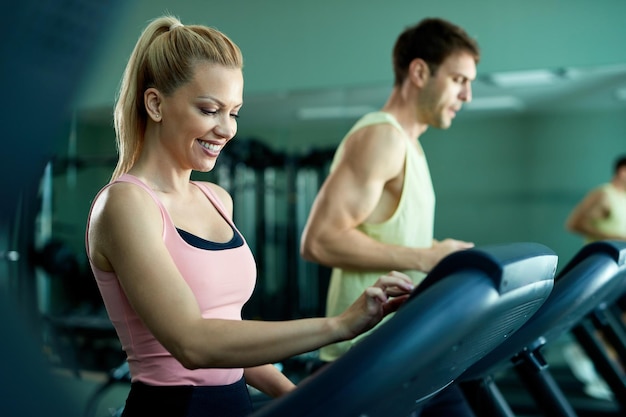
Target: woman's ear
{"type": "Point", "coordinates": [419, 72]}
{"type": "Point", "coordinates": [152, 101]}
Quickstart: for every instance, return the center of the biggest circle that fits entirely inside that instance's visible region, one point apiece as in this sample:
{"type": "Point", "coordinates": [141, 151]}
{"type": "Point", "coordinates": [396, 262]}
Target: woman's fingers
{"type": "Point", "coordinates": [395, 283]}
{"type": "Point", "coordinates": [394, 304]}
{"type": "Point", "coordinates": [396, 291]}
{"type": "Point", "coordinates": [376, 293]}
{"type": "Point", "coordinates": [378, 300]}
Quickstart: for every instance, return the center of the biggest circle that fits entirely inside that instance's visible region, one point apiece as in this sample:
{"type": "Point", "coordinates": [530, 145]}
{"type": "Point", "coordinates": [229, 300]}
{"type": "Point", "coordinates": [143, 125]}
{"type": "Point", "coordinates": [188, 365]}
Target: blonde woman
{"type": "Point", "coordinates": [172, 268]}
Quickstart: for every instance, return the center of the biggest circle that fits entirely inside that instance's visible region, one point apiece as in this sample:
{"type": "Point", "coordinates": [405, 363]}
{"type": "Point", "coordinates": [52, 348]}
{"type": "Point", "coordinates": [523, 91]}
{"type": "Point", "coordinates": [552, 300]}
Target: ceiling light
{"type": "Point", "coordinates": [333, 112]}
{"type": "Point", "coordinates": [524, 78]}
{"type": "Point", "coordinates": [495, 103]}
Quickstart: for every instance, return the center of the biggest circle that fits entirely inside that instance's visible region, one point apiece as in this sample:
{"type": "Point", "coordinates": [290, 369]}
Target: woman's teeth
{"type": "Point", "coordinates": [210, 146]}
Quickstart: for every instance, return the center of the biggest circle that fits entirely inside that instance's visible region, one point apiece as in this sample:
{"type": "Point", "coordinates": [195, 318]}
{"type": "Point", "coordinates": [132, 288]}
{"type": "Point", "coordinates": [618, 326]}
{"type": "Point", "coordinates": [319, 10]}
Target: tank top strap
{"type": "Point", "coordinates": [167, 221]}
{"type": "Point", "coordinates": [215, 200]}
{"type": "Point", "coordinates": [384, 117]}
{"type": "Point", "coordinates": [134, 180]}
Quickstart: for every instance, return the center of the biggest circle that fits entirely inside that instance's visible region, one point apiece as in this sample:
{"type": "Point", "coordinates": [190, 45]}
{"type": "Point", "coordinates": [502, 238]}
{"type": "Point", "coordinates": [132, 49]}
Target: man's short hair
{"type": "Point", "coordinates": [620, 163]}
{"type": "Point", "coordinates": [433, 40]}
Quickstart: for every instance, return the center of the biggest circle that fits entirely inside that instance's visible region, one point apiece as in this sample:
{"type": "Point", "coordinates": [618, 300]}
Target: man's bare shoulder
{"type": "Point", "coordinates": [598, 195]}
{"type": "Point", "coordinates": [375, 151]}
{"type": "Point", "coordinates": [380, 137]}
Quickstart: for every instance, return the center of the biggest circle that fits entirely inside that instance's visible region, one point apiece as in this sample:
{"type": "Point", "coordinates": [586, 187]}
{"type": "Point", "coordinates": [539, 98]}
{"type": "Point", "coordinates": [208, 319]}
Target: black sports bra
{"type": "Point", "coordinates": [200, 243]}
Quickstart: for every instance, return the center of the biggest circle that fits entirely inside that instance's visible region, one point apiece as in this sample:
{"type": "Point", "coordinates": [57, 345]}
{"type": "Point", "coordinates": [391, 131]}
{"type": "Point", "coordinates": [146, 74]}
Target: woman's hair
{"type": "Point", "coordinates": [432, 40]}
{"type": "Point", "coordinates": [164, 58]}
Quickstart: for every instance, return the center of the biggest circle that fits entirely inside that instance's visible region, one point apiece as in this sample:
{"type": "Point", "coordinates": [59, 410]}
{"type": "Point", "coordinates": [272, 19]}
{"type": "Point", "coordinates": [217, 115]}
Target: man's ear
{"type": "Point", "coordinates": [152, 101]}
{"type": "Point", "coordinates": [419, 72]}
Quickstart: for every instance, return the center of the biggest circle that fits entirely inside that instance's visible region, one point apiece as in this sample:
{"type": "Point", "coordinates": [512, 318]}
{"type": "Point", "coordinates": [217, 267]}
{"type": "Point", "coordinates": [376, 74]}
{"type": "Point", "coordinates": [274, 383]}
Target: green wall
{"type": "Point", "coordinates": [298, 45]}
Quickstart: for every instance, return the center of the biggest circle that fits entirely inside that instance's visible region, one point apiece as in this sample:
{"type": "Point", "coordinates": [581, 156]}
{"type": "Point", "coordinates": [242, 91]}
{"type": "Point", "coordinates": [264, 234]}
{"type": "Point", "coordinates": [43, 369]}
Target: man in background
{"type": "Point", "coordinates": [375, 210]}
{"type": "Point", "coordinates": [601, 214]}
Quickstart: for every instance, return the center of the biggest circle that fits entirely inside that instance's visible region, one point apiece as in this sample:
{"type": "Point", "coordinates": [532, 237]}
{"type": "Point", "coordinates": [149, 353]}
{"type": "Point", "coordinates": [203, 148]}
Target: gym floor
{"type": "Point", "coordinates": [99, 394]}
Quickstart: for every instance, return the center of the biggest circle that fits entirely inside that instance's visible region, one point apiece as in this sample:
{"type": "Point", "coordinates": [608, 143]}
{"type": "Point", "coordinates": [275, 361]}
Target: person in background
{"type": "Point", "coordinates": [172, 268]}
{"type": "Point", "coordinates": [375, 210]}
{"type": "Point", "coordinates": [601, 214]}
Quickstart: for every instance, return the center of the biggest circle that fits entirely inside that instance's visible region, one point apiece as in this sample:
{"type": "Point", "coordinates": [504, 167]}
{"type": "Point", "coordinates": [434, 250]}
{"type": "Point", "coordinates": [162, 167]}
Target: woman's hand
{"type": "Point", "coordinates": [382, 298]}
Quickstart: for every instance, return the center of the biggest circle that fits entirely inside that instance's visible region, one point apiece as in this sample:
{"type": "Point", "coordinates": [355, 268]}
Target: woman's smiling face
{"type": "Point", "coordinates": [200, 117]}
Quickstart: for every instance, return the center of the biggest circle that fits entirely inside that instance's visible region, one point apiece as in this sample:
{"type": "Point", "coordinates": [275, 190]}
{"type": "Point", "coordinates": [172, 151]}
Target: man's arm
{"type": "Point", "coordinates": [584, 217]}
{"type": "Point", "coordinates": [351, 195]}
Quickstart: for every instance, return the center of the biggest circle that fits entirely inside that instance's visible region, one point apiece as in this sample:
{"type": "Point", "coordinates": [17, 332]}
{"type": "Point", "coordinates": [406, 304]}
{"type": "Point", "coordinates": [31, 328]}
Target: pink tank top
{"type": "Point", "coordinates": [222, 281]}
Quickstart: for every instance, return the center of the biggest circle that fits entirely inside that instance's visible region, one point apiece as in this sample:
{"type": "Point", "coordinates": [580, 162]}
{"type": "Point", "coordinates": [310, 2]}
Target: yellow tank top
{"type": "Point", "coordinates": [615, 222]}
{"type": "Point", "coordinates": [411, 225]}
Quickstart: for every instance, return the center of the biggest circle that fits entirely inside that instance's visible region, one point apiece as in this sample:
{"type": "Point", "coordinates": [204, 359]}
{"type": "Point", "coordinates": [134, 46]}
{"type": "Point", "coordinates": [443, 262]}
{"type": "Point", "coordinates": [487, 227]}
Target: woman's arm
{"type": "Point", "coordinates": [126, 237]}
{"type": "Point", "coordinates": [269, 380]}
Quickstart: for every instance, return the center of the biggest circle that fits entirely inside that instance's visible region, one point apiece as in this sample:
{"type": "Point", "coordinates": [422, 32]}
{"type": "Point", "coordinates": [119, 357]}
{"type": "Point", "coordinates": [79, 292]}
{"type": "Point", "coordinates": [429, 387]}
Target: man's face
{"type": "Point", "coordinates": [444, 92]}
